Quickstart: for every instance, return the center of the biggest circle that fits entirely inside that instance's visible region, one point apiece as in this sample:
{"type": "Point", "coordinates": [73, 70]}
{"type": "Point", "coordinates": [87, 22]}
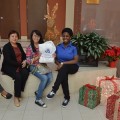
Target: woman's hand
{"type": "Point", "coordinates": [37, 57]}
{"type": "Point", "coordinates": [54, 55]}
{"type": "Point", "coordinates": [23, 63]}
{"type": "Point", "coordinates": [59, 66]}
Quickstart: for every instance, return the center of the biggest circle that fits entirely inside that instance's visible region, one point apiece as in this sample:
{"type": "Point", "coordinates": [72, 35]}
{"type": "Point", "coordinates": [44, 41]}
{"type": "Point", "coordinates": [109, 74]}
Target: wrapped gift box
{"type": "Point", "coordinates": [113, 107]}
{"type": "Point", "coordinates": [89, 96]}
{"type": "Point", "coordinates": [110, 85]}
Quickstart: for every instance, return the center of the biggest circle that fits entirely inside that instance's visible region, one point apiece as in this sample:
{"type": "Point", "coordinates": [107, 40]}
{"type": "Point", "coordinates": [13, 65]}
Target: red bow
{"type": "Point", "coordinates": [91, 86]}
{"type": "Point", "coordinates": [109, 78]}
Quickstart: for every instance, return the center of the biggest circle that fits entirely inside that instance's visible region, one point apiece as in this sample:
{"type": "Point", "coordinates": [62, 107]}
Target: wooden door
{"type": "Point", "coordinates": [36, 9]}
{"type": "Point", "coordinates": [9, 17]}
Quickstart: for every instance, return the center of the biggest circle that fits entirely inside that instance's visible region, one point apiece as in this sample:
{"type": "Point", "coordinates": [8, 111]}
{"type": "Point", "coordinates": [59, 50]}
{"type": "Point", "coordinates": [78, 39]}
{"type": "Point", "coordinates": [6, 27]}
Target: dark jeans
{"type": "Point", "coordinates": [62, 78]}
{"type": "Point", "coordinates": [20, 81]}
{"type": "Point", "coordinates": [1, 88]}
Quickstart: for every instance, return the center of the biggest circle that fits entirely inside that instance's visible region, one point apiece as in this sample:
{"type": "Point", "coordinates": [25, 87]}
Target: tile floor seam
{"type": "Point", "coordinates": [43, 109]}
{"type": "Point", "coordinates": [25, 107]}
{"type": "Point", "coordinates": [61, 108]}
{"type": "Point", "coordinates": [77, 99]}
{"type": "Point", "coordinates": [100, 114]}
{"type": "Point", "coordinates": [6, 109]}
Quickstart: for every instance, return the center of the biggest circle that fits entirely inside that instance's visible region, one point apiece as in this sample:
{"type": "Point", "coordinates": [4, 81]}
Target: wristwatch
{"type": "Point", "coordinates": [61, 63]}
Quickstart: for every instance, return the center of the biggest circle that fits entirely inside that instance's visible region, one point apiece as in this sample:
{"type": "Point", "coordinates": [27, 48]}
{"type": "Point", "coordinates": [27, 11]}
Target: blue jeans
{"type": "Point", "coordinates": [45, 81]}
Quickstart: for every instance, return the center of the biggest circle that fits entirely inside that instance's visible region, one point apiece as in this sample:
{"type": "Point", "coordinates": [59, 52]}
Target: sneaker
{"type": "Point", "coordinates": [40, 103]}
{"type": "Point", "coordinates": [50, 95]}
{"type": "Point", "coordinates": [35, 92]}
{"type": "Point", "coordinates": [65, 103]}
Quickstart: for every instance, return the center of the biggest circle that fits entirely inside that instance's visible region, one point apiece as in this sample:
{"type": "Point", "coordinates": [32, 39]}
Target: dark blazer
{"type": "Point", "coordinates": [10, 63]}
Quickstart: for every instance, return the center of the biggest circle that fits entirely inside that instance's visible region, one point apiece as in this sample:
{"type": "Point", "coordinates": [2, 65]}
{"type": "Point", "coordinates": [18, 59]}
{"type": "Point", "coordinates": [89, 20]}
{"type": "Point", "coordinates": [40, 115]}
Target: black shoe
{"type": "Point", "coordinates": [8, 96]}
{"type": "Point", "coordinates": [40, 103]}
{"type": "Point", "coordinates": [35, 92]}
{"type": "Point", "coordinates": [50, 95]}
{"type": "Point", "coordinates": [65, 103]}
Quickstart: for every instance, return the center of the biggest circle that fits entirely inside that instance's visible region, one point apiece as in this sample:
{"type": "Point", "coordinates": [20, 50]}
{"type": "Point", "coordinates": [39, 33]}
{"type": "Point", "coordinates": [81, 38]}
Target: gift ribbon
{"type": "Point", "coordinates": [89, 87]}
{"type": "Point", "coordinates": [116, 115]}
{"type": "Point", "coordinates": [110, 107]}
{"type": "Point", "coordinates": [110, 79]}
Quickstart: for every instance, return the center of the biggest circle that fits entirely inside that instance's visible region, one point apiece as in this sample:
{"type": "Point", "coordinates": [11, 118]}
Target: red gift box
{"type": "Point", "coordinates": [113, 107]}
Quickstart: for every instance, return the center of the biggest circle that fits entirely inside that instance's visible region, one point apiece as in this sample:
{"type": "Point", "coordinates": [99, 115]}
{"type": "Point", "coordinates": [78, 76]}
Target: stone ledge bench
{"type": "Point", "coordinates": [85, 75]}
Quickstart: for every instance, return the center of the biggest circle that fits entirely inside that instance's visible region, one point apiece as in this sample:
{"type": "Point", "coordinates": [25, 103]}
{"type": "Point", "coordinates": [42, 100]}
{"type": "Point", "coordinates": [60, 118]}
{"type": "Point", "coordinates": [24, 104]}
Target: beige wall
{"type": "Point", "coordinates": [103, 18]}
{"type": "Point", "coordinates": [69, 21]}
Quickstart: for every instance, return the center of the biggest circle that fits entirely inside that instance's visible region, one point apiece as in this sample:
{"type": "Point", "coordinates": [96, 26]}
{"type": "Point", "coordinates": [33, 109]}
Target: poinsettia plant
{"type": "Point", "coordinates": [112, 53]}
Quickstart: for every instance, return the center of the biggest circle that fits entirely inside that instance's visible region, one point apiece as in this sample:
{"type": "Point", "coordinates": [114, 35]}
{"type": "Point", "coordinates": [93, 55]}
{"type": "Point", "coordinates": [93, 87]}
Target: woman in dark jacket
{"type": "Point", "coordinates": [14, 64]}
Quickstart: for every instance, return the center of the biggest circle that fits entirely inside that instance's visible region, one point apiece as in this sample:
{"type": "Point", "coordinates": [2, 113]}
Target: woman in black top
{"type": "Point", "coordinates": [14, 64]}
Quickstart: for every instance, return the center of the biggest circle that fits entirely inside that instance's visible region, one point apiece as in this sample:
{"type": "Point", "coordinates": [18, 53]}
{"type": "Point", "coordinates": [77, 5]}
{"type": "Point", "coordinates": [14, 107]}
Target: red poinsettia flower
{"type": "Point", "coordinates": [112, 53]}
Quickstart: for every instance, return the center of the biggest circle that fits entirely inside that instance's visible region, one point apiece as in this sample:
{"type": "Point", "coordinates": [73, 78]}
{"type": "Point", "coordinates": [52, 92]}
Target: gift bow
{"type": "Point", "coordinates": [110, 78]}
{"type": "Point", "coordinates": [90, 86]}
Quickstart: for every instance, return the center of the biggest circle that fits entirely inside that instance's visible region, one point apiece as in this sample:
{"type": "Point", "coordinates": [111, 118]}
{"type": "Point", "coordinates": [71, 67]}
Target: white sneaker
{"type": "Point", "coordinates": [40, 103]}
{"type": "Point", "coordinates": [65, 103]}
{"type": "Point", "coordinates": [50, 95]}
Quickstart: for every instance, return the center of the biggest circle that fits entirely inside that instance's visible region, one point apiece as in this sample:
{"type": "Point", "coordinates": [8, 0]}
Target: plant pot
{"type": "Point", "coordinates": [85, 61]}
{"type": "Point", "coordinates": [112, 64]}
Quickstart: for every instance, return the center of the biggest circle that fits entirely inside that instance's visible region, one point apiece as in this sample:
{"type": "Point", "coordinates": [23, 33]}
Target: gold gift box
{"type": "Point", "coordinates": [93, 1]}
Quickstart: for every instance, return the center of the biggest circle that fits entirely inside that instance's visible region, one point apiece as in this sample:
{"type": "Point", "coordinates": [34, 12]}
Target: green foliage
{"type": "Point", "coordinates": [92, 43]}
{"type": "Point", "coordinates": [79, 40]}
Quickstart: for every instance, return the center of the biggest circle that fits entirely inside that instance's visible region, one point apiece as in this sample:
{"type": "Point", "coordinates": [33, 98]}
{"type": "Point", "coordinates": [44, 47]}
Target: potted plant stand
{"type": "Point", "coordinates": [85, 61]}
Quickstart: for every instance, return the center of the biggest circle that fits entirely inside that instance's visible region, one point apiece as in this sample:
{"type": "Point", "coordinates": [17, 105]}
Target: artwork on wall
{"type": "Point", "coordinates": [52, 33]}
{"type": "Point", "coordinates": [92, 1]}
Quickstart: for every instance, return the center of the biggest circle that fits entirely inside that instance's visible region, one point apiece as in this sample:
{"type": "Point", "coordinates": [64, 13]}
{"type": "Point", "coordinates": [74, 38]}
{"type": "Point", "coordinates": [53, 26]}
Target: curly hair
{"type": "Point", "coordinates": [68, 30]}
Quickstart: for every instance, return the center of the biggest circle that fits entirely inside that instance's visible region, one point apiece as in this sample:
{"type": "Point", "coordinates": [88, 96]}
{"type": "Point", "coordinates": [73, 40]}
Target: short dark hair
{"type": "Point", "coordinates": [68, 30]}
{"type": "Point", "coordinates": [13, 32]}
{"type": "Point", "coordinates": [37, 32]}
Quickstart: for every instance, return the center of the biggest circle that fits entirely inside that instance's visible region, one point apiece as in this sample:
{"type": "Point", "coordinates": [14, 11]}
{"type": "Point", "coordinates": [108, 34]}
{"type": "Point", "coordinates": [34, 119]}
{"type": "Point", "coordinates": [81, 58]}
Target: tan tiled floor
{"type": "Point", "coordinates": [54, 111]}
